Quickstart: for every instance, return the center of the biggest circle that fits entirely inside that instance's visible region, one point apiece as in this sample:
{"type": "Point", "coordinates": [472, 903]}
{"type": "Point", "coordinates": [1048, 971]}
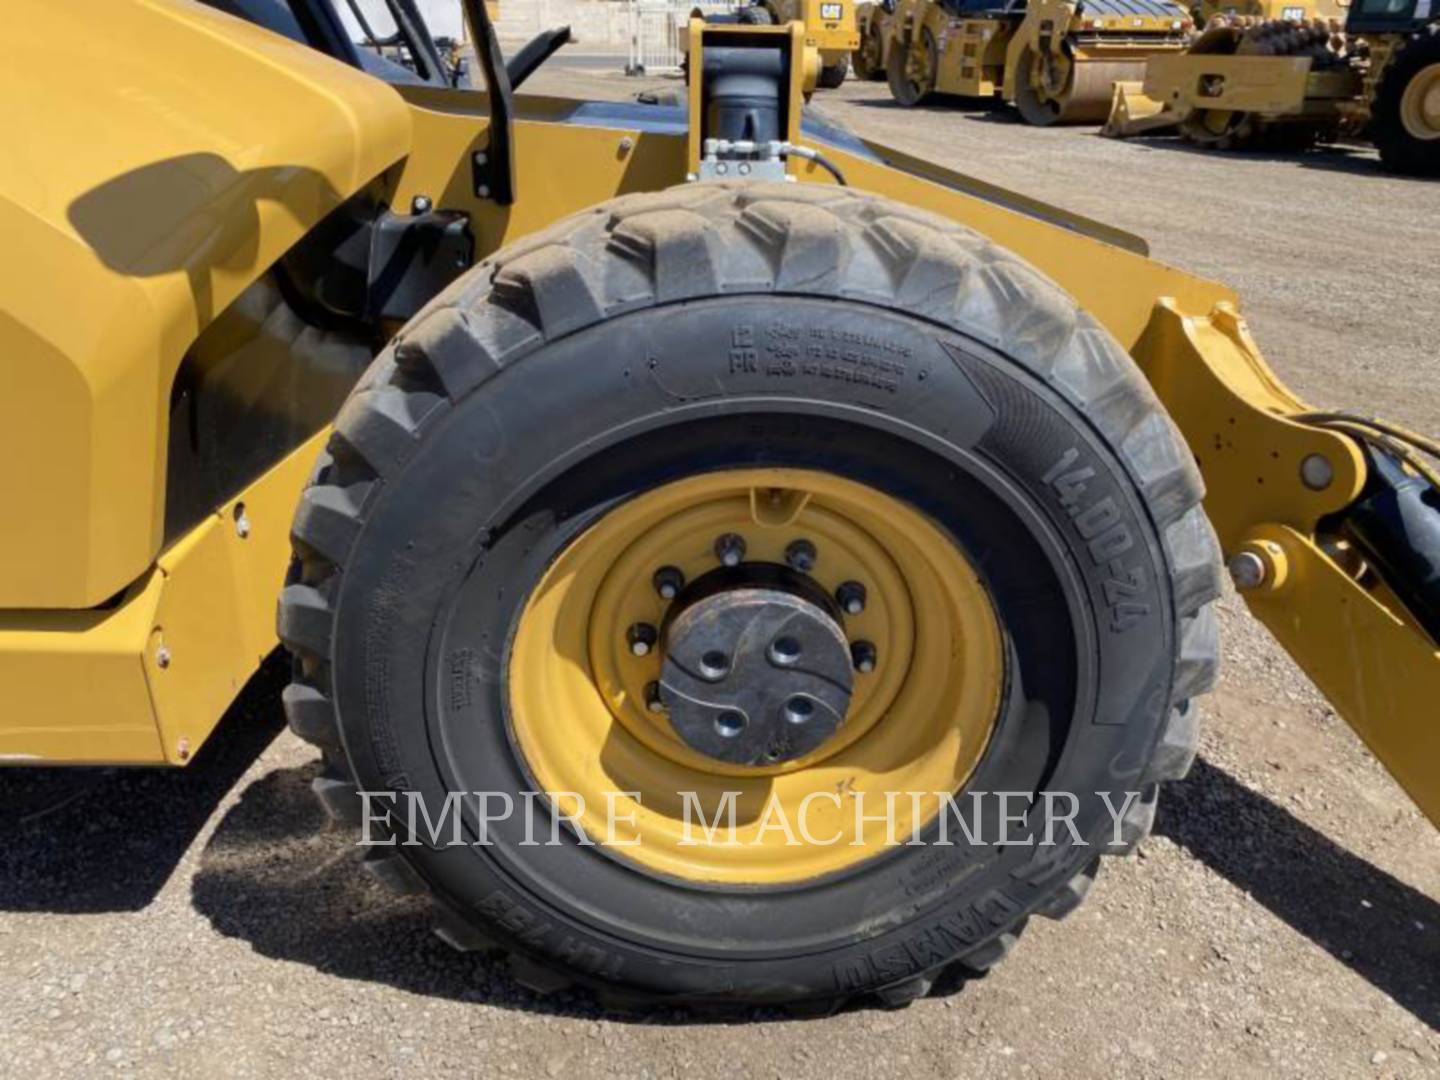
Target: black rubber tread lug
{"type": "Point", "coordinates": [560, 291]}
{"type": "Point", "coordinates": [899, 995]}
{"type": "Point", "coordinates": [1137, 821]}
{"type": "Point", "coordinates": [1164, 466]}
{"type": "Point", "coordinates": [392, 870]}
{"type": "Point", "coordinates": [1070, 895]}
{"type": "Point", "coordinates": [533, 975]}
{"type": "Point", "coordinates": [986, 956]}
{"type": "Point", "coordinates": [328, 520]}
{"type": "Point", "coordinates": [674, 248]}
{"type": "Point", "coordinates": [1179, 743]}
{"type": "Point", "coordinates": [304, 620]}
{"type": "Point", "coordinates": [382, 424]}
{"type": "Point", "coordinates": [459, 358]}
{"type": "Point", "coordinates": [459, 933]}
{"type": "Point", "coordinates": [337, 794]}
{"type": "Point", "coordinates": [310, 714]}
{"type": "Point", "coordinates": [815, 1008]}
{"type": "Point", "coordinates": [714, 239]}
{"type": "Point", "coordinates": [1194, 555]}
{"type": "Point", "coordinates": [1197, 669]}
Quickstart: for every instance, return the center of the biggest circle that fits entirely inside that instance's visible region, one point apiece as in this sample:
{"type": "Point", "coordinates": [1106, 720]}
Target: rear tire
{"type": "Point", "coordinates": [868, 61]}
{"type": "Point", "coordinates": [1405, 130]}
{"type": "Point", "coordinates": [906, 90]}
{"type": "Point", "coordinates": [833, 75]}
{"type": "Point", "coordinates": [1212, 129]}
{"type": "Point", "coordinates": [1033, 110]}
{"type": "Point", "coordinates": [654, 337]}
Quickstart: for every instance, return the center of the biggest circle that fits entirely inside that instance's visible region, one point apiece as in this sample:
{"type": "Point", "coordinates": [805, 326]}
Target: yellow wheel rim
{"type": "Point", "coordinates": [916, 726]}
{"type": "Point", "coordinates": [1420, 104]}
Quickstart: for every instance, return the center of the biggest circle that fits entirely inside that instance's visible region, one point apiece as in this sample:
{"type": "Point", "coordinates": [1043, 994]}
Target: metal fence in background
{"type": "Point", "coordinates": [655, 29]}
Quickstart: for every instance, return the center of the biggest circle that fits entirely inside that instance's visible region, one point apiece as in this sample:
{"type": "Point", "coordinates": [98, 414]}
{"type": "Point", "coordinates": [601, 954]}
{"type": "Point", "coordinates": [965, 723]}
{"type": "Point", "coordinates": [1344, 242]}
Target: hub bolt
{"type": "Point", "coordinates": [851, 597]}
{"type": "Point", "coordinates": [714, 665]}
{"type": "Point", "coordinates": [730, 549]}
{"type": "Point", "coordinates": [730, 723]}
{"type": "Point", "coordinates": [668, 582]}
{"type": "Point", "coordinates": [799, 709]}
{"type": "Point", "coordinates": [642, 638]}
{"type": "Point", "coordinates": [652, 698]}
{"type": "Point", "coordinates": [863, 654]}
{"type": "Point", "coordinates": [800, 555]}
{"type": "Point", "coordinates": [784, 651]}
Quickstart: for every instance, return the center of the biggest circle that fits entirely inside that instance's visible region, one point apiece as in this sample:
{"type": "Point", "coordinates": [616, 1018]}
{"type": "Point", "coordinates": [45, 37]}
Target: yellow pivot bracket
{"type": "Point", "coordinates": [1272, 479]}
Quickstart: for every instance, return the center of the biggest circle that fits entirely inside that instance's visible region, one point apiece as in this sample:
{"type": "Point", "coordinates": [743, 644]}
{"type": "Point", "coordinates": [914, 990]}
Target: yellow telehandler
{"type": "Point", "coordinates": [725, 561]}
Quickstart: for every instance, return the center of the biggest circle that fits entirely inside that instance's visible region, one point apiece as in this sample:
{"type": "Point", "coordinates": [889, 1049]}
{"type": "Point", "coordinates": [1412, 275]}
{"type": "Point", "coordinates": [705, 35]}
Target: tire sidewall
{"type": "Point", "coordinates": [647, 375]}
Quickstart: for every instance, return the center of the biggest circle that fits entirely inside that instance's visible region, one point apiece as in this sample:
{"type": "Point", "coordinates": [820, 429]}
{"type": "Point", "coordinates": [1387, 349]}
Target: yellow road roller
{"type": "Point", "coordinates": [868, 61]}
{"type": "Point", "coordinates": [830, 30]}
{"type": "Point", "coordinates": [1054, 60]}
{"type": "Point", "coordinates": [725, 561]}
{"type": "Point", "coordinates": [1302, 76]}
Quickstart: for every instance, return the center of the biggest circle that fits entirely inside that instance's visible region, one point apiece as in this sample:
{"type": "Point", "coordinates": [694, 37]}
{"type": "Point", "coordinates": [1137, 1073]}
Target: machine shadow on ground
{"type": "Point", "coordinates": [272, 857]}
{"type": "Point", "coordinates": [1375, 924]}
{"type": "Point", "coordinates": [85, 841]}
{"type": "Point", "coordinates": [1338, 158]}
{"type": "Point", "coordinates": [1351, 160]}
{"type": "Point", "coordinates": [277, 875]}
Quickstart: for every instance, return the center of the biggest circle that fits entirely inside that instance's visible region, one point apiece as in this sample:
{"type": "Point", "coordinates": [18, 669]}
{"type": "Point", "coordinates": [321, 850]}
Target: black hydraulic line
{"type": "Point", "coordinates": [830, 167]}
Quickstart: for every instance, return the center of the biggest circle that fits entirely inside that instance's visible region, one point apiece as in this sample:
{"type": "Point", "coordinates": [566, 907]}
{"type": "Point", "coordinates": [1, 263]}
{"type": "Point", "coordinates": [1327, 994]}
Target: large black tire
{"type": "Point", "coordinates": [1401, 151]}
{"type": "Point", "coordinates": [593, 361]}
{"type": "Point", "coordinates": [833, 75]}
{"type": "Point", "coordinates": [757, 16]}
{"type": "Point", "coordinates": [903, 88]}
{"type": "Point", "coordinates": [868, 61]}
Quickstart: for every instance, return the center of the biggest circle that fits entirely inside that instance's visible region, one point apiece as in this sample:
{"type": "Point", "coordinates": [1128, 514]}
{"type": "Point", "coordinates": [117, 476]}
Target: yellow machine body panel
{"type": "Point", "coordinates": [1267, 85]}
{"type": "Point", "coordinates": [1272, 9]}
{"type": "Point", "coordinates": [830, 25]}
{"type": "Point", "coordinates": [137, 202]}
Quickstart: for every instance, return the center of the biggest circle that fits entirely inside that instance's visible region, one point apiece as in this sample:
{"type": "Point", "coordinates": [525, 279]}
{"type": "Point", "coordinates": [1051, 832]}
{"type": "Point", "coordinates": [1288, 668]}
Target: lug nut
{"type": "Point", "coordinates": [851, 597]}
{"type": "Point", "coordinates": [730, 549]}
{"type": "Point", "coordinates": [642, 638]}
{"type": "Point", "coordinates": [730, 723]}
{"type": "Point", "coordinates": [784, 651]}
{"type": "Point", "coordinates": [799, 709]}
{"type": "Point", "coordinates": [800, 555]}
{"type": "Point", "coordinates": [863, 655]}
{"type": "Point", "coordinates": [668, 582]}
{"type": "Point", "coordinates": [652, 698]}
{"type": "Point", "coordinates": [713, 665]}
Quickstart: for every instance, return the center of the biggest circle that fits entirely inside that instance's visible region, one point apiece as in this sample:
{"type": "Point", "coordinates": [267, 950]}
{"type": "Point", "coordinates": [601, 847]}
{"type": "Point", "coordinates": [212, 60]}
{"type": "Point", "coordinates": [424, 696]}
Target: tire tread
{"type": "Point", "coordinates": [711, 239]}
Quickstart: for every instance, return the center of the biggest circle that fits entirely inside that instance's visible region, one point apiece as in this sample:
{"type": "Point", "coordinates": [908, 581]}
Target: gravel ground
{"type": "Point", "coordinates": [1283, 920]}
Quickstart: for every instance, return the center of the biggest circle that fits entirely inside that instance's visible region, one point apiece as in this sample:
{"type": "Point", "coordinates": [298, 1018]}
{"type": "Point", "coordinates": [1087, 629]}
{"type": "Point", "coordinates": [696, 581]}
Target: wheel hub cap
{"type": "Point", "coordinates": [755, 675]}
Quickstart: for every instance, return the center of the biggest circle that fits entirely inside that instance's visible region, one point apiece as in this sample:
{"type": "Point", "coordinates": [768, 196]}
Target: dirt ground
{"type": "Point", "coordinates": [1283, 920]}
